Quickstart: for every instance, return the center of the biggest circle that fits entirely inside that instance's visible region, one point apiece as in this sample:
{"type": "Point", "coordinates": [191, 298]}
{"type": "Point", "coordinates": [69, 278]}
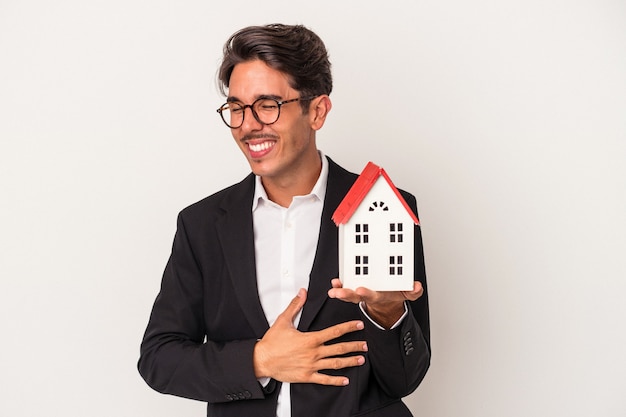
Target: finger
{"type": "Point", "coordinates": [366, 294]}
{"type": "Point", "coordinates": [323, 379]}
{"type": "Point", "coordinates": [294, 307]}
{"type": "Point", "coordinates": [336, 283]}
{"type": "Point", "coordinates": [416, 293]}
{"type": "Point", "coordinates": [337, 330]}
{"type": "Point", "coordinates": [370, 297]}
{"type": "Point", "coordinates": [344, 294]}
{"type": "Point", "coordinates": [341, 363]}
{"type": "Point", "coordinates": [344, 348]}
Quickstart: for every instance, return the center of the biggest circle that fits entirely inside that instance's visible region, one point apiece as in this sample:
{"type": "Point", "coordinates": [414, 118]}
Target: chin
{"type": "Point", "coordinates": [260, 168]}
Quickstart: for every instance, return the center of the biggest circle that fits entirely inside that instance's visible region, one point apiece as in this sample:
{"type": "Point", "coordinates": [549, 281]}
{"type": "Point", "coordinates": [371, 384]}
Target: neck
{"type": "Point", "coordinates": [282, 190]}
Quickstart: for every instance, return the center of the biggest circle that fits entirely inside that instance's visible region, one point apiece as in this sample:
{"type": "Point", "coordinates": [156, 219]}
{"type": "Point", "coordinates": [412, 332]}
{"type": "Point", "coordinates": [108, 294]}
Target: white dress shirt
{"type": "Point", "coordinates": [285, 241]}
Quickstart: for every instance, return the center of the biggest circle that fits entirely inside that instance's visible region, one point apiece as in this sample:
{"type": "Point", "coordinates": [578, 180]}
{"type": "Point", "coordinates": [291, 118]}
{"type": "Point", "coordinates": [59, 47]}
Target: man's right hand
{"type": "Point", "coordinates": [288, 355]}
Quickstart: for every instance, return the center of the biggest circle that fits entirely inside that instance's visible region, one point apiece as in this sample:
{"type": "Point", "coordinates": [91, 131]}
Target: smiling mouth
{"type": "Point", "coordinates": [260, 147]}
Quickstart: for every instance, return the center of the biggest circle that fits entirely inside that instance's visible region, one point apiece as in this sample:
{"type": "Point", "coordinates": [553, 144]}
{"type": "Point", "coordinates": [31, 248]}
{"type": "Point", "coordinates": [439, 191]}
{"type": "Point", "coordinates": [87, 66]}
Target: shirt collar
{"type": "Point", "coordinates": [319, 189]}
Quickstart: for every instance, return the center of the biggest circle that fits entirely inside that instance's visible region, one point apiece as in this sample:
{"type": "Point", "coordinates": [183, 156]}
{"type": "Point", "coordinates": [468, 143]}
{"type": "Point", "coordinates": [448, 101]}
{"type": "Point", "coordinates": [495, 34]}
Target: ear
{"type": "Point", "coordinates": [318, 110]}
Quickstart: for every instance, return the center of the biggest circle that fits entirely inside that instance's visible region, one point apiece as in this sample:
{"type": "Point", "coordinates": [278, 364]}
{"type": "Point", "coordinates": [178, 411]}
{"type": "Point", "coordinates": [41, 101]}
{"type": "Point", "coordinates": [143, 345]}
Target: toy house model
{"type": "Point", "coordinates": [376, 229]}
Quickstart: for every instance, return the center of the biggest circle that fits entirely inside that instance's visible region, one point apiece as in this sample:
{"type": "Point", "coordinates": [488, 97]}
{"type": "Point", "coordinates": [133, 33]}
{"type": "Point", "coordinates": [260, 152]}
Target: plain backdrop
{"type": "Point", "coordinates": [506, 119]}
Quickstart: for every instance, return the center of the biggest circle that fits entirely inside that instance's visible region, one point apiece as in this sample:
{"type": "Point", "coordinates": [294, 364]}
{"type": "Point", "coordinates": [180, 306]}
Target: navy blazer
{"type": "Point", "coordinates": [207, 318]}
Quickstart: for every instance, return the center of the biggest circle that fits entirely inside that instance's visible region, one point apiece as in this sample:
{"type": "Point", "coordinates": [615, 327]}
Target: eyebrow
{"type": "Point", "coordinates": [232, 99]}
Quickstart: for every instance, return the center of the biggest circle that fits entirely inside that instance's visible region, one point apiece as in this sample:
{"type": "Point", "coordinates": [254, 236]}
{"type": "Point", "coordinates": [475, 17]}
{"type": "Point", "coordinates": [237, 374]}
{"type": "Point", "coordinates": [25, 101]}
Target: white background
{"type": "Point", "coordinates": [506, 119]}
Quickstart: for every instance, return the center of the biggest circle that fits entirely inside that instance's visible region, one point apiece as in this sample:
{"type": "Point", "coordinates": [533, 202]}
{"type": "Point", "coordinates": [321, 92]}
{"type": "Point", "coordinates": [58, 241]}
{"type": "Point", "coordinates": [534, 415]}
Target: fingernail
{"type": "Point", "coordinates": [346, 381]}
{"type": "Point", "coordinates": [361, 360]}
{"type": "Point", "coordinates": [365, 348]}
{"type": "Point", "coordinates": [360, 325]}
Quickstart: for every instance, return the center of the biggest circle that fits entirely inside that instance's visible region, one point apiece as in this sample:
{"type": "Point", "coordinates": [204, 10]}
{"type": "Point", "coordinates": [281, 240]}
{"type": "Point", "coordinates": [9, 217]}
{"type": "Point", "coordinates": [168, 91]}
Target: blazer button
{"type": "Point", "coordinates": [408, 351]}
{"type": "Point", "coordinates": [229, 397]}
{"type": "Point", "coordinates": [247, 394]}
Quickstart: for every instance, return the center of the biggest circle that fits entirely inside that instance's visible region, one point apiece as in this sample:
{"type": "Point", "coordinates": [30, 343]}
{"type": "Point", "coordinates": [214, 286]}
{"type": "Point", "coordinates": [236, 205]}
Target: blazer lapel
{"type": "Point", "coordinates": [326, 262]}
{"type": "Point", "coordinates": [236, 235]}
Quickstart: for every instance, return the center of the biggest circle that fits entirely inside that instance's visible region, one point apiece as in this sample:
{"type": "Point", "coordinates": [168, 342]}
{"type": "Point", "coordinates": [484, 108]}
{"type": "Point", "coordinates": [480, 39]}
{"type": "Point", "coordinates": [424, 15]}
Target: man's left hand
{"type": "Point", "coordinates": [384, 307]}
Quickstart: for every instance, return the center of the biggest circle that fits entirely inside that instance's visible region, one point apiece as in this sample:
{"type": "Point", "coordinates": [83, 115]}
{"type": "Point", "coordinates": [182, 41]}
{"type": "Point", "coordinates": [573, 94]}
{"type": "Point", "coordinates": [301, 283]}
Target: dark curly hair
{"type": "Point", "coordinates": [293, 50]}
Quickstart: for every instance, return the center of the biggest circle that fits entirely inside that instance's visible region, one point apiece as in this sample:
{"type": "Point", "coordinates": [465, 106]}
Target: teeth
{"type": "Point", "coordinates": [258, 147]}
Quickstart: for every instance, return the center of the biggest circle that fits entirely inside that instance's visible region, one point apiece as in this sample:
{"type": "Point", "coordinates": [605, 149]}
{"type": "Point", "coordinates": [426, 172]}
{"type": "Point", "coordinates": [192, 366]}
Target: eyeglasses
{"type": "Point", "coordinates": [265, 110]}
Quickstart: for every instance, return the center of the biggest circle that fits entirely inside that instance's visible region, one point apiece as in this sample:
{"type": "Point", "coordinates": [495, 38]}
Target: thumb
{"type": "Point", "coordinates": [294, 307]}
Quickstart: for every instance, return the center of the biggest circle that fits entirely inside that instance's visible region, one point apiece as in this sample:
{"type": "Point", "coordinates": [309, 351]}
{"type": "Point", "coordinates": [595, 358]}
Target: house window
{"type": "Point", "coordinates": [395, 265]}
{"type": "Point", "coordinates": [395, 233]}
{"type": "Point", "coordinates": [361, 233]}
{"type": "Point", "coordinates": [361, 267]}
{"type": "Point", "coordinates": [378, 205]}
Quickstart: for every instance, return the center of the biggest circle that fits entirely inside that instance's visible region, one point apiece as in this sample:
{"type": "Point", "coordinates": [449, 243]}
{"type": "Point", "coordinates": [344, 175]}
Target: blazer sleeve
{"type": "Point", "coordinates": [175, 357]}
{"type": "Point", "coordinates": [400, 357]}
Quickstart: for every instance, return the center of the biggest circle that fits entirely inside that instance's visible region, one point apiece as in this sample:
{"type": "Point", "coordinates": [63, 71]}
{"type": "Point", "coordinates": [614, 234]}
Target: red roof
{"type": "Point", "coordinates": [359, 190]}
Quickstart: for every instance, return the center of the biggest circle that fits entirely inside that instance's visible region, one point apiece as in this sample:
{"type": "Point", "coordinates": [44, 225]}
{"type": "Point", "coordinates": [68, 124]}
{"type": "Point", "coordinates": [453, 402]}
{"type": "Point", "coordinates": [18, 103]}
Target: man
{"type": "Point", "coordinates": [251, 317]}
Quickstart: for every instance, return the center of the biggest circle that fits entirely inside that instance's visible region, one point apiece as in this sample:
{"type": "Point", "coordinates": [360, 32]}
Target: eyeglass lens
{"type": "Point", "coordinates": [264, 110]}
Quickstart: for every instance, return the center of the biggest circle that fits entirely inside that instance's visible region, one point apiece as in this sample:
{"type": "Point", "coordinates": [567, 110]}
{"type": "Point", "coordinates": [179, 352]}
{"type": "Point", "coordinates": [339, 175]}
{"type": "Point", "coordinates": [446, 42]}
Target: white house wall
{"type": "Point", "coordinates": [378, 248]}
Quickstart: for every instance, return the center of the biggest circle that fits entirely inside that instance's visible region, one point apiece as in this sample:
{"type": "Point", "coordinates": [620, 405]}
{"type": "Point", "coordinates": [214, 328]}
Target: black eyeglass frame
{"type": "Point", "coordinates": [279, 104]}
